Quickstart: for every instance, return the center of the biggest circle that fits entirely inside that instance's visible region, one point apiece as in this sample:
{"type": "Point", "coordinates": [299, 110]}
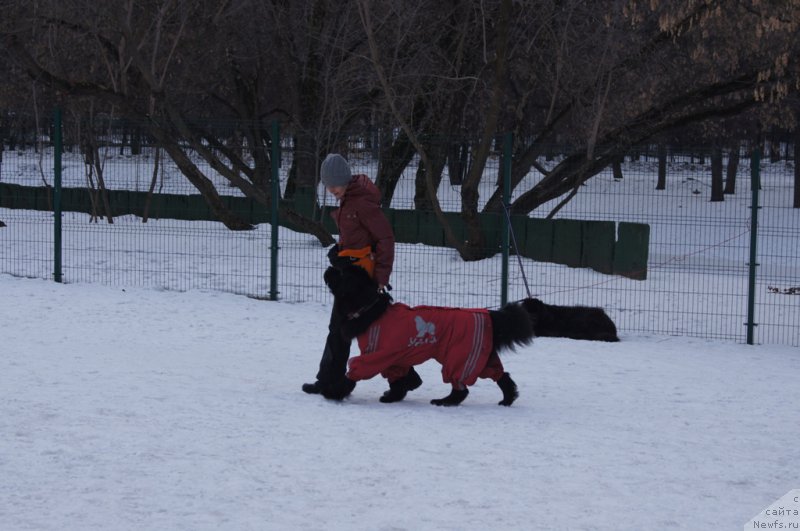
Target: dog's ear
{"type": "Point", "coordinates": [358, 276]}
{"type": "Point", "coordinates": [332, 278]}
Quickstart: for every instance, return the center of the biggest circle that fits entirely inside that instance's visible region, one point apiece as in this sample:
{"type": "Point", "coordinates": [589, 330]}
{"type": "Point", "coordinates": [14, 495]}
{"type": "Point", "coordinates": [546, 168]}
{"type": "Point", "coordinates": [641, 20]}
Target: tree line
{"type": "Point", "coordinates": [440, 79]}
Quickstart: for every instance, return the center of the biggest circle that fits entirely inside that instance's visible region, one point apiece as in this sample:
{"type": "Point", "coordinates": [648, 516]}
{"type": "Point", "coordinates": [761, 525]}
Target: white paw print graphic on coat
{"type": "Point", "coordinates": [426, 333]}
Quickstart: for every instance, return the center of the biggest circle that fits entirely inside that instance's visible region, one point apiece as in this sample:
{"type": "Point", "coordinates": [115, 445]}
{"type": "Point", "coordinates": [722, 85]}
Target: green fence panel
{"type": "Point", "coordinates": [21, 197]}
{"type": "Point", "coordinates": [6, 195]}
{"type": "Point", "coordinates": [119, 202]}
{"type": "Point", "coordinates": [539, 240]}
{"type": "Point", "coordinates": [567, 242]}
{"type": "Point", "coordinates": [43, 199]}
{"type": "Point", "coordinates": [195, 208]}
{"type": "Point", "coordinates": [13, 196]}
{"type": "Point", "coordinates": [135, 203]}
{"type": "Point", "coordinates": [241, 207]}
{"type": "Point", "coordinates": [631, 250]}
{"type": "Point", "coordinates": [429, 230]}
{"type": "Point", "coordinates": [156, 208]}
{"type": "Point", "coordinates": [304, 201]}
{"type": "Point", "coordinates": [71, 200]}
{"type": "Point", "coordinates": [405, 224]}
{"type": "Point", "coordinates": [174, 206]}
{"type": "Point", "coordinates": [519, 231]}
{"type": "Point", "coordinates": [457, 225]}
{"type": "Point", "coordinates": [34, 200]}
{"type": "Point", "coordinates": [491, 225]}
{"type": "Point", "coordinates": [260, 213]}
{"type": "Point", "coordinates": [598, 246]}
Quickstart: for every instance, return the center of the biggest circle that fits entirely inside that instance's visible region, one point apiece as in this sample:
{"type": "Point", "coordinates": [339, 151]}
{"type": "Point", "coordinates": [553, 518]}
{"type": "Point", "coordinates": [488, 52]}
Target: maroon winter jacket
{"type": "Point", "coordinates": [362, 223]}
{"type": "Point", "coordinates": [459, 339]}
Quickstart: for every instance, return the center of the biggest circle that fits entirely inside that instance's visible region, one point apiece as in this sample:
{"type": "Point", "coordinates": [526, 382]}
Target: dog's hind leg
{"type": "Point", "coordinates": [509, 388]}
{"type": "Point", "coordinates": [455, 397]}
{"type": "Point", "coordinates": [399, 388]}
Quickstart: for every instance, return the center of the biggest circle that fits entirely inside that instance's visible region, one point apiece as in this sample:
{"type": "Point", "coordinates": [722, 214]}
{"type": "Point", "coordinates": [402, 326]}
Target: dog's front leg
{"type": "Point", "coordinates": [455, 397]}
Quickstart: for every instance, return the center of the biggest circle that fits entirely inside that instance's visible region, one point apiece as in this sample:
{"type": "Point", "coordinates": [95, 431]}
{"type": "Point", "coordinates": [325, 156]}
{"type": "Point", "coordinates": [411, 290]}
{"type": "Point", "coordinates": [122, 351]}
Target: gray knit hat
{"type": "Point", "coordinates": [335, 171]}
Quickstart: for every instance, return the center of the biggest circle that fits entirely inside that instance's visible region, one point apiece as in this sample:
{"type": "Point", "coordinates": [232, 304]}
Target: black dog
{"type": "Point", "coordinates": [393, 337]}
{"type": "Point", "coordinates": [574, 322]}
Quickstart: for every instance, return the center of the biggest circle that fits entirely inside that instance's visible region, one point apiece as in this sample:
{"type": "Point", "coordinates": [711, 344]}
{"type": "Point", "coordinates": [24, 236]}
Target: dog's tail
{"type": "Point", "coordinates": [511, 327]}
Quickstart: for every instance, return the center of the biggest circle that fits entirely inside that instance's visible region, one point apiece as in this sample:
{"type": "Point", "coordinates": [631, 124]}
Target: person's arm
{"type": "Point", "coordinates": [380, 231]}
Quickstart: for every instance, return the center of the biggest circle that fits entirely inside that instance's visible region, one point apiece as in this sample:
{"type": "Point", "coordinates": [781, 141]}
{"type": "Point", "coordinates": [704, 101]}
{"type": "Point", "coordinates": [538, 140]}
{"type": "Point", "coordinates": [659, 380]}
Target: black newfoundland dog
{"type": "Point", "coordinates": [574, 322]}
{"type": "Point", "coordinates": [393, 337]}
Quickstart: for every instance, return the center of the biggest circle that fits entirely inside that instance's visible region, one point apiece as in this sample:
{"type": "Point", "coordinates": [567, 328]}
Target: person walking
{"type": "Point", "coordinates": [366, 239]}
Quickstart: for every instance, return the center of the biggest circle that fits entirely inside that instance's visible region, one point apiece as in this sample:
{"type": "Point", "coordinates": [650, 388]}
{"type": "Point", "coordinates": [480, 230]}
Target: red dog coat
{"type": "Point", "coordinates": [459, 339]}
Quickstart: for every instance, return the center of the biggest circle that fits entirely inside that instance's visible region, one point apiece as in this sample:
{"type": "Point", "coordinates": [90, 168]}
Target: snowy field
{"type": "Point", "coordinates": [144, 409]}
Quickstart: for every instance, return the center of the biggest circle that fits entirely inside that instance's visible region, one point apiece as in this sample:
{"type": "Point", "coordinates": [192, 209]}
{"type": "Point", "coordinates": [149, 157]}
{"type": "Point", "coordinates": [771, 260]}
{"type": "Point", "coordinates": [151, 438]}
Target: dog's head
{"type": "Point", "coordinates": [357, 297]}
{"type": "Point", "coordinates": [533, 306]}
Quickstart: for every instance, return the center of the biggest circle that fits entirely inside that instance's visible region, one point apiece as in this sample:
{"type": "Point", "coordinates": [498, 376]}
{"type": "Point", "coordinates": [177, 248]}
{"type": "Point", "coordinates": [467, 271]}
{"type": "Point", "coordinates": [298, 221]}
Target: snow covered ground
{"type": "Point", "coordinates": [144, 409]}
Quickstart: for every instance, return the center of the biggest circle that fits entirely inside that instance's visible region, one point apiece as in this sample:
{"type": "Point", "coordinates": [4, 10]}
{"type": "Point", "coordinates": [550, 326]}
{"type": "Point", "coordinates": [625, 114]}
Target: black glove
{"type": "Point", "coordinates": [333, 254]}
{"type": "Point", "coordinates": [385, 289]}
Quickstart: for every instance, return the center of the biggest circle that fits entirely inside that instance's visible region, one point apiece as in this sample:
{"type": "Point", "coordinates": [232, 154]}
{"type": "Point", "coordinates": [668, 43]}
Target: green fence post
{"type": "Point", "coordinates": [276, 192]}
{"type": "Point", "coordinates": [507, 148]}
{"type": "Point", "coordinates": [755, 184]}
{"type": "Point", "coordinates": [57, 147]}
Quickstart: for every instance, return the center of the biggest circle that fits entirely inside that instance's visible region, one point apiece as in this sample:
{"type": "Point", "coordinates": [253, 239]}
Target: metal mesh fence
{"type": "Point", "coordinates": [697, 273]}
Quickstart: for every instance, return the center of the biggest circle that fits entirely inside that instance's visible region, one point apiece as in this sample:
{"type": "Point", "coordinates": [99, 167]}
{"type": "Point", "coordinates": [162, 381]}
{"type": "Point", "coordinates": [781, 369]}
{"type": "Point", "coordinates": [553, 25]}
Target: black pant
{"type": "Point", "coordinates": [333, 365]}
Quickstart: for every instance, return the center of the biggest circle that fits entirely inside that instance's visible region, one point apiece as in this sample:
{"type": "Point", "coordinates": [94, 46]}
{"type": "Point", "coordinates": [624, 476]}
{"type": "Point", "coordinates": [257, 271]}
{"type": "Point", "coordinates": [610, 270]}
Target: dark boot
{"type": "Point", "coordinates": [455, 397]}
{"type": "Point", "coordinates": [399, 388]}
{"type": "Point", "coordinates": [312, 388]}
{"type": "Point", "coordinates": [339, 390]}
{"type": "Point", "coordinates": [509, 388]}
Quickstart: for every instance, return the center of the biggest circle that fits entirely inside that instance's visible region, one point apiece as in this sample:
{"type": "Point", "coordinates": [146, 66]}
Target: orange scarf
{"type": "Point", "coordinates": [363, 258]}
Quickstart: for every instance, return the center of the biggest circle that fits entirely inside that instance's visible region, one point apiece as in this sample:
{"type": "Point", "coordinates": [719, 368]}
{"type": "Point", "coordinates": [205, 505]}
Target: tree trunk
{"type": "Point", "coordinates": [475, 247]}
{"type": "Point", "coordinates": [201, 182]}
{"type": "Point", "coordinates": [457, 162]}
{"type": "Point", "coordinates": [616, 167]}
{"type": "Point", "coordinates": [136, 140]}
{"type": "Point", "coordinates": [91, 155]}
{"type": "Point", "coordinates": [302, 174]}
{"type": "Point", "coordinates": [661, 184]}
{"type": "Point", "coordinates": [101, 184]}
{"type": "Point", "coordinates": [149, 199]}
{"type": "Point", "coordinates": [774, 149]}
{"type": "Point", "coordinates": [124, 137]}
{"type": "Point", "coordinates": [733, 168]}
{"type": "Point", "coordinates": [569, 174]}
{"type": "Point", "coordinates": [93, 216]}
{"type": "Point", "coordinates": [394, 157]}
{"type": "Point", "coordinates": [716, 175]}
{"type": "Point", "coordinates": [437, 154]}
{"type": "Point", "coordinates": [796, 169]}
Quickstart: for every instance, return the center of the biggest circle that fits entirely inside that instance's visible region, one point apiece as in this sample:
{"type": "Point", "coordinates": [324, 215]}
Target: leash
{"type": "Point", "coordinates": [356, 314]}
{"type": "Point", "coordinates": [516, 248]}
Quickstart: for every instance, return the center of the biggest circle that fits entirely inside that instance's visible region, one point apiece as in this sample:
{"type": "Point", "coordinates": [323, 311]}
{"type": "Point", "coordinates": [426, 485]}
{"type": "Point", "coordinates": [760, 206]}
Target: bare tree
{"type": "Point", "coordinates": [597, 77]}
{"type": "Point", "coordinates": [167, 65]}
{"type": "Point", "coordinates": [732, 168]}
{"type": "Point", "coordinates": [665, 75]}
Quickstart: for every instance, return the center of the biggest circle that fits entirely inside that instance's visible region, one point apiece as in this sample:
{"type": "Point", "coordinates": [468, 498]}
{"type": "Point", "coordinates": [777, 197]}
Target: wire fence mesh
{"type": "Point", "coordinates": [698, 263]}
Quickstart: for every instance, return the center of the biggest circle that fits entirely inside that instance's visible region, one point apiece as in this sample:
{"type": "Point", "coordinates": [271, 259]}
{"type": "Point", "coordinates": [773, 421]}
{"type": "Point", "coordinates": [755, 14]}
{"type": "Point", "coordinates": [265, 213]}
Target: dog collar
{"type": "Point", "coordinates": [358, 313]}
